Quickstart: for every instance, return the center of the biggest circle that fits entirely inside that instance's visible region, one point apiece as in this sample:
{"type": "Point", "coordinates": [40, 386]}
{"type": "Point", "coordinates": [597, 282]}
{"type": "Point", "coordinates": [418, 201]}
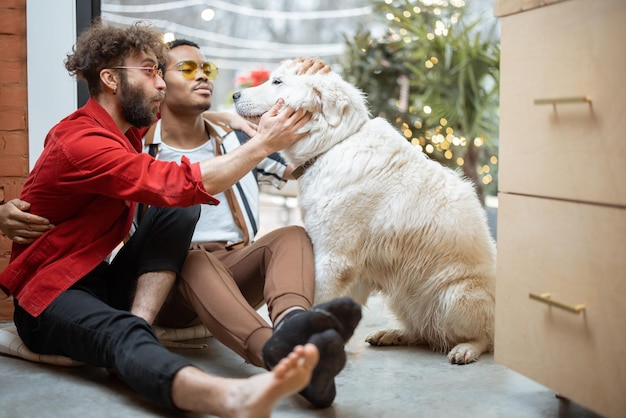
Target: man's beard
{"type": "Point", "coordinates": [203, 107]}
{"type": "Point", "coordinates": [135, 108]}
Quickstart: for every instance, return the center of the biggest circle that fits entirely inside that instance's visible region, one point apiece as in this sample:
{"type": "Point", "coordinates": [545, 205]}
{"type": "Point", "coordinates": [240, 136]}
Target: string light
{"type": "Point", "coordinates": [440, 141]}
{"type": "Point", "coordinates": [241, 10]}
{"type": "Point", "coordinates": [261, 50]}
{"type": "Point", "coordinates": [231, 53]}
{"type": "Point", "coordinates": [207, 15]}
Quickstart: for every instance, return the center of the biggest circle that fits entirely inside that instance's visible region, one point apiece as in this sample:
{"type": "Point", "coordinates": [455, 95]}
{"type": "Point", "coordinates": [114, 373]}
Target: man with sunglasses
{"type": "Point", "coordinates": [229, 274]}
{"type": "Point", "coordinates": [68, 300]}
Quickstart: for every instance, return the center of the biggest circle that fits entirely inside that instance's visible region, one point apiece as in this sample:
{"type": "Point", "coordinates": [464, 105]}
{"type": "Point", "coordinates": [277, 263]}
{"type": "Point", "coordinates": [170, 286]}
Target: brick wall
{"type": "Point", "coordinates": [13, 118]}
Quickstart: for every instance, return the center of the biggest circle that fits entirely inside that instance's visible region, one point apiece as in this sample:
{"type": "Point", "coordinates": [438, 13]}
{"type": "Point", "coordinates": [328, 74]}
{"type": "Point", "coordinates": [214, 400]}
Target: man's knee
{"type": "Point", "coordinates": [188, 215]}
{"type": "Point", "coordinates": [290, 238]}
{"type": "Point", "coordinates": [296, 232]}
{"type": "Point", "coordinates": [181, 219]}
{"type": "Point", "coordinates": [191, 213]}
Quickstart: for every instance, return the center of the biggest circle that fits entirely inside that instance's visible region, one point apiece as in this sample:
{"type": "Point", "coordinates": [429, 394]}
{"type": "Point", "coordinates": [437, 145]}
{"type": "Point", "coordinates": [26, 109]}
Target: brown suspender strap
{"type": "Point", "coordinates": [233, 204]}
{"type": "Point", "coordinates": [153, 150]}
{"type": "Point", "coordinates": [148, 138]}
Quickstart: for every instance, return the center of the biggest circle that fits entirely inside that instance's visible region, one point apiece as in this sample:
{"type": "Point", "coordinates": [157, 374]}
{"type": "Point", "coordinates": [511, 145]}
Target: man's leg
{"type": "Point", "coordinates": [256, 396]}
{"type": "Point", "coordinates": [153, 257]}
{"type": "Point", "coordinates": [227, 305]}
{"type": "Point", "coordinates": [277, 269]}
{"type": "Point", "coordinates": [286, 257]}
{"type": "Point", "coordinates": [79, 325]}
{"type": "Point", "coordinates": [208, 291]}
{"type": "Point", "coordinates": [152, 290]}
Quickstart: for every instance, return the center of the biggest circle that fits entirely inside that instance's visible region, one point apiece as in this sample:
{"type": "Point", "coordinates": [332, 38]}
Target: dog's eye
{"type": "Point", "coordinates": [277, 81]}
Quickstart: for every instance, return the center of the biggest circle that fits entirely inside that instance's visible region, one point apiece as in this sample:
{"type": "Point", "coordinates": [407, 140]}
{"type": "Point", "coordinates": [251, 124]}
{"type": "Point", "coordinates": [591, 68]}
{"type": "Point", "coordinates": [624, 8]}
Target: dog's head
{"type": "Point", "coordinates": [338, 108]}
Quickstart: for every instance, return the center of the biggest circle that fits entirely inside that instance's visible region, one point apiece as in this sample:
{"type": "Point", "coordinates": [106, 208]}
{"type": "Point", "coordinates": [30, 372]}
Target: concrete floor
{"type": "Point", "coordinates": [376, 382]}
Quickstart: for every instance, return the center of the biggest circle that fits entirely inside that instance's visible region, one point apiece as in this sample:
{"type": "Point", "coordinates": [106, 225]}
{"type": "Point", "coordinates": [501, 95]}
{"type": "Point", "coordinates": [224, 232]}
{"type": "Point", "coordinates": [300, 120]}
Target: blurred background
{"type": "Point", "coordinates": [429, 66]}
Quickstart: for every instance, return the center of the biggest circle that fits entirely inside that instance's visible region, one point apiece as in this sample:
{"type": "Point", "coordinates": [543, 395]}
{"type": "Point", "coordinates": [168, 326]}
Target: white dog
{"type": "Point", "coordinates": [383, 217]}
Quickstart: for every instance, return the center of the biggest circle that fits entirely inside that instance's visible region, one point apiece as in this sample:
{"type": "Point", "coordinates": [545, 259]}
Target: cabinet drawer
{"type": "Point", "coordinates": [571, 150]}
{"type": "Point", "coordinates": [577, 253]}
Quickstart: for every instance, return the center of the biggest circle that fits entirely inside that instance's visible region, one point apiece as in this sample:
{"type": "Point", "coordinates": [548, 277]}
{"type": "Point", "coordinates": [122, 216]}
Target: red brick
{"type": "Point", "coordinates": [5, 246]}
{"type": "Point", "coordinates": [12, 119]}
{"type": "Point", "coordinates": [12, 72]}
{"type": "Point", "coordinates": [4, 261]}
{"type": "Point", "coordinates": [6, 308]}
{"type": "Point", "coordinates": [13, 21]}
{"type": "Point", "coordinates": [11, 187]}
{"type": "Point", "coordinates": [14, 4]}
{"type": "Point", "coordinates": [14, 95]}
{"type": "Point", "coordinates": [13, 47]}
{"type": "Point", "coordinates": [14, 143]}
{"type": "Point", "coordinates": [13, 166]}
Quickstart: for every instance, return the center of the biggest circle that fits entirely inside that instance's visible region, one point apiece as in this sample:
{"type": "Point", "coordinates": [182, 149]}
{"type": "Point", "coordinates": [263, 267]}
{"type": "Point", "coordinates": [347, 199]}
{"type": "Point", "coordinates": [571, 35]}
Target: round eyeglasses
{"type": "Point", "coordinates": [153, 71]}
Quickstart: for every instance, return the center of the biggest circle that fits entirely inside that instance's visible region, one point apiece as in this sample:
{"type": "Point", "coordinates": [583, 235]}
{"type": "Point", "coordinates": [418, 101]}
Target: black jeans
{"type": "Point", "coordinates": [90, 321]}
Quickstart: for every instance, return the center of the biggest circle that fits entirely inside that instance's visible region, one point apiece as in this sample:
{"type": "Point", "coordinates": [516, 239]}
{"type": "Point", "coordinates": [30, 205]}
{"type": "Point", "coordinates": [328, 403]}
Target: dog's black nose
{"type": "Point", "coordinates": [236, 95]}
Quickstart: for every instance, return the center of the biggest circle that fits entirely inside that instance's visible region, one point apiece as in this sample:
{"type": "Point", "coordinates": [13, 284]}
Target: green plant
{"type": "Point", "coordinates": [435, 74]}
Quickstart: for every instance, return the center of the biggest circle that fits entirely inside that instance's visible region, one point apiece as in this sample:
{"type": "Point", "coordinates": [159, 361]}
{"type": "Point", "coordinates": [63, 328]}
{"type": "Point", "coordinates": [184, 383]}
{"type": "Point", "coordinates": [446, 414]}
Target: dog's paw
{"type": "Point", "coordinates": [464, 353]}
{"type": "Point", "coordinates": [386, 337]}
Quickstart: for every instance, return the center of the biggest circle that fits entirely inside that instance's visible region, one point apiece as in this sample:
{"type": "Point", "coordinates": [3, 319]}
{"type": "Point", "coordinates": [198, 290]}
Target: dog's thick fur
{"type": "Point", "coordinates": [384, 217]}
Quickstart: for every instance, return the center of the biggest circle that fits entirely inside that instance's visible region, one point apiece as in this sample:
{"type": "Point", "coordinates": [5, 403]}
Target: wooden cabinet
{"type": "Point", "coordinates": [562, 199]}
{"type": "Point", "coordinates": [575, 253]}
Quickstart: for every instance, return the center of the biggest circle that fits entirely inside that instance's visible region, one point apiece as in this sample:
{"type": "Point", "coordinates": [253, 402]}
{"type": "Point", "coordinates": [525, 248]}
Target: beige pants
{"type": "Point", "coordinates": [223, 288]}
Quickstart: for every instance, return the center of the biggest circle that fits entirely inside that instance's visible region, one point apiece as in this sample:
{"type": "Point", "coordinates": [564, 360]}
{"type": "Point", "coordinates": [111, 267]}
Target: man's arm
{"type": "Point", "coordinates": [279, 128]}
{"type": "Point", "coordinates": [235, 121]}
{"type": "Point", "coordinates": [19, 225]}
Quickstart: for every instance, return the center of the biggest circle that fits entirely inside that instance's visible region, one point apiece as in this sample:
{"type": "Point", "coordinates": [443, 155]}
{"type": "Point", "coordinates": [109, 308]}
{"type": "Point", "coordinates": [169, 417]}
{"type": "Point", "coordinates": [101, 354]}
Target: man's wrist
{"type": "Point", "coordinates": [261, 144]}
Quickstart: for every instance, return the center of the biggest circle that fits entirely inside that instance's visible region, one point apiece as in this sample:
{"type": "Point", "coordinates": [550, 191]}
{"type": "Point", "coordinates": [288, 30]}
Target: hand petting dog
{"type": "Point", "coordinates": [308, 65]}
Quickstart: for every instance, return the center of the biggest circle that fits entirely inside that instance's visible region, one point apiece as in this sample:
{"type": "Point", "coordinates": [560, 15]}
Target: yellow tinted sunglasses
{"type": "Point", "coordinates": [190, 69]}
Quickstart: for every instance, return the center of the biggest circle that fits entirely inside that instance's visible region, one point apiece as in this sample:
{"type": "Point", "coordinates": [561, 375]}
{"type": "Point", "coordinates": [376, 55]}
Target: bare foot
{"type": "Point", "coordinates": [256, 396]}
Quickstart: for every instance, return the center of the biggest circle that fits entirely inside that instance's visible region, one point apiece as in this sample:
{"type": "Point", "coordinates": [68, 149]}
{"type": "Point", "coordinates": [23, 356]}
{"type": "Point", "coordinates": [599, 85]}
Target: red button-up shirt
{"type": "Point", "coordinates": [86, 182]}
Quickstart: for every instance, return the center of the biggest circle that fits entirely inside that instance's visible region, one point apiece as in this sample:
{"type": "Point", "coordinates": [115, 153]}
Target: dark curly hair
{"type": "Point", "coordinates": [175, 44]}
{"type": "Point", "coordinates": [101, 47]}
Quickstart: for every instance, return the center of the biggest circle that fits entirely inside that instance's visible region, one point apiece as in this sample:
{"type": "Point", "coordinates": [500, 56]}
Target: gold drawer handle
{"type": "Point", "coordinates": [561, 100]}
{"type": "Point", "coordinates": [545, 298]}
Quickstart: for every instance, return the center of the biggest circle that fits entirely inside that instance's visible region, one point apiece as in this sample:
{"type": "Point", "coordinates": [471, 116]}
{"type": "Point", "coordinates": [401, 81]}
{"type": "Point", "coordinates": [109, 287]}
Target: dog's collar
{"type": "Point", "coordinates": [299, 171]}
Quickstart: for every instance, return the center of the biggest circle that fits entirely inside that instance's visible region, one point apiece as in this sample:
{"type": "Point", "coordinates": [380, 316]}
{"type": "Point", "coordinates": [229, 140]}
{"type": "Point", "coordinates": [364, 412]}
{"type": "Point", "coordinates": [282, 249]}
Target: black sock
{"type": "Point", "coordinates": [347, 312]}
{"type": "Point", "coordinates": [341, 314]}
{"type": "Point", "coordinates": [321, 389]}
{"type": "Point", "coordinates": [295, 329]}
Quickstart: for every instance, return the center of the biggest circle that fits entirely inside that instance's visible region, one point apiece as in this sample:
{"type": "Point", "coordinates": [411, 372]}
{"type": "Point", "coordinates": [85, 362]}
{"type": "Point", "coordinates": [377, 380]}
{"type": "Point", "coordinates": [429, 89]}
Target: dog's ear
{"type": "Point", "coordinates": [334, 106]}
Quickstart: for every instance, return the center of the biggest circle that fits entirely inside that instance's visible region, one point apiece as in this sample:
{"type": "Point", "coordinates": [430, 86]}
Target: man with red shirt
{"type": "Point", "coordinates": [68, 300]}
